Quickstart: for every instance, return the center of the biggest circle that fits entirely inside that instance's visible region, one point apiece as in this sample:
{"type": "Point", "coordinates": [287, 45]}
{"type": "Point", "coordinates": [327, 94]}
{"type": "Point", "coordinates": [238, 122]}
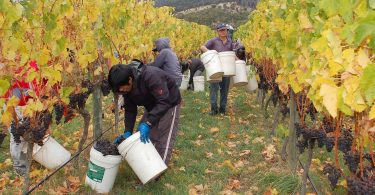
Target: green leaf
{"type": "Point", "coordinates": [371, 3]}
{"type": "Point", "coordinates": [340, 102]}
{"type": "Point", "coordinates": [330, 7]}
{"type": "Point", "coordinates": [367, 83]}
{"type": "Point", "coordinates": [4, 86]}
{"type": "Point", "coordinates": [363, 30]}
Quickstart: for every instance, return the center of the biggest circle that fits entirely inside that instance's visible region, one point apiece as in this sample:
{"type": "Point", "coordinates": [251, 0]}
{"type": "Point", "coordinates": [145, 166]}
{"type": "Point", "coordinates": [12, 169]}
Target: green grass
{"type": "Point", "coordinates": [191, 163]}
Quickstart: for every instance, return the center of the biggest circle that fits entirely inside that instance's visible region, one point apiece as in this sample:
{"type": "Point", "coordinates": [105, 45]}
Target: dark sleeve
{"type": "Point", "coordinates": [200, 66]}
{"type": "Point", "coordinates": [191, 76]}
{"type": "Point", "coordinates": [210, 44]}
{"type": "Point", "coordinates": [130, 114]}
{"type": "Point", "coordinates": [159, 90]}
{"type": "Point", "coordinates": [159, 61]}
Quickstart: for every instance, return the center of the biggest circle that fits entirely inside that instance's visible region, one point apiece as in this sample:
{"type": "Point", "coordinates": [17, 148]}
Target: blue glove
{"type": "Point", "coordinates": [144, 129]}
{"type": "Point", "coordinates": [122, 137]}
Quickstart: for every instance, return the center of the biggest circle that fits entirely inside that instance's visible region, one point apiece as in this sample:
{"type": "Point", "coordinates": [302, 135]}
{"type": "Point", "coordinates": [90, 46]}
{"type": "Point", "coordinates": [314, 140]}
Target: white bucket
{"type": "Point", "coordinates": [102, 171]}
{"type": "Point", "coordinates": [212, 64]}
{"type": "Point", "coordinates": [217, 80]}
{"type": "Point", "coordinates": [51, 155]}
{"type": "Point", "coordinates": [240, 79]}
{"type": "Point", "coordinates": [228, 59]}
{"type": "Point", "coordinates": [198, 83]}
{"type": "Point", "coordinates": [252, 85]}
{"type": "Point", "coordinates": [184, 83]}
{"type": "Point", "coordinates": [142, 158]}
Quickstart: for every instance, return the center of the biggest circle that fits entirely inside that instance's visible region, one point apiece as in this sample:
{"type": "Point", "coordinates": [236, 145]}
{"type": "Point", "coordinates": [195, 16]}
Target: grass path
{"type": "Point", "coordinates": [211, 156]}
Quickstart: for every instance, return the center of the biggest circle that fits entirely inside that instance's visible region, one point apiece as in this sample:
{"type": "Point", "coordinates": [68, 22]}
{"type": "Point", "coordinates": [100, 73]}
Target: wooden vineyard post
{"type": "Point", "coordinates": [97, 105]}
{"type": "Point", "coordinates": [292, 148]}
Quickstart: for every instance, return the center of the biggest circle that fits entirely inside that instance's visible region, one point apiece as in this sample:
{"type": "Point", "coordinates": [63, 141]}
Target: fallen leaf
{"type": "Point", "coordinates": [36, 173]}
{"type": "Point", "coordinates": [207, 171]}
{"type": "Point", "coordinates": [214, 130]}
{"type": "Point", "coordinates": [245, 152]}
{"type": "Point", "coordinates": [61, 190]}
{"type": "Point", "coordinates": [182, 169]}
{"type": "Point", "coordinates": [234, 184]}
{"type": "Point", "coordinates": [169, 186]}
{"type": "Point", "coordinates": [231, 144]}
{"type": "Point", "coordinates": [228, 163]}
{"type": "Point", "coordinates": [209, 154]}
{"type": "Point", "coordinates": [258, 140]}
{"type": "Point", "coordinates": [239, 164]}
{"type": "Point", "coordinates": [74, 183]}
{"type": "Point", "coordinates": [227, 192]}
{"type": "Point", "coordinates": [231, 136]}
{"type": "Point", "coordinates": [269, 152]}
{"type": "Point", "coordinates": [271, 191]}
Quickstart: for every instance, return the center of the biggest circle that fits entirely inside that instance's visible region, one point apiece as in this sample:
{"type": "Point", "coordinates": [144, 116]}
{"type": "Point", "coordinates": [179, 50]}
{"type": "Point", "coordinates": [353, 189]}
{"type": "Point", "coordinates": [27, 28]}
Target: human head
{"type": "Point", "coordinates": [120, 78]}
{"type": "Point", "coordinates": [222, 30]}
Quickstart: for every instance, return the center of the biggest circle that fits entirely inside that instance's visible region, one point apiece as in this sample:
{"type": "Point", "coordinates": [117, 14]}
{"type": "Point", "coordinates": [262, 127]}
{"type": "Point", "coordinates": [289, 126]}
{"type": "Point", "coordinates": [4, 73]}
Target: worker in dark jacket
{"type": "Point", "coordinates": [196, 68]}
{"type": "Point", "coordinates": [157, 91]}
{"type": "Point", "coordinates": [167, 60]}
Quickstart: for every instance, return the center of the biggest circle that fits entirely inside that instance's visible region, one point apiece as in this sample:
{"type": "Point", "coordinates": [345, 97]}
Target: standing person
{"type": "Point", "coordinates": [167, 60]}
{"type": "Point", "coordinates": [157, 91]}
{"type": "Point", "coordinates": [21, 90]}
{"type": "Point", "coordinates": [196, 68]}
{"type": "Point", "coordinates": [220, 43]}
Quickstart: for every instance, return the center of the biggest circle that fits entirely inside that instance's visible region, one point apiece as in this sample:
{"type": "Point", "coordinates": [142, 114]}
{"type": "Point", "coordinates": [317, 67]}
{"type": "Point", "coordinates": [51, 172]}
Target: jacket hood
{"type": "Point", "coordinates": [162, 43]}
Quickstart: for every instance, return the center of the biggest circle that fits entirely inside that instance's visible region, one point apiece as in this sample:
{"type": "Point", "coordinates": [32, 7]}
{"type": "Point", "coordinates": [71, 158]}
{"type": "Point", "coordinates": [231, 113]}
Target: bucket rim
{"type": "Point", "coordinates": [108, 159]}
{"type": "Point", "coordinates": [125, 146]}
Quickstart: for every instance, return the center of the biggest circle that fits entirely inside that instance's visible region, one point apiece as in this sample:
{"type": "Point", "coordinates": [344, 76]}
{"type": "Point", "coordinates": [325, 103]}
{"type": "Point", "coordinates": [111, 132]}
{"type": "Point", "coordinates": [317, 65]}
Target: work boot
{"type": "Point", "coordinates": [222, 111]}
{"type": "Point", "coordinates": [213, 110]}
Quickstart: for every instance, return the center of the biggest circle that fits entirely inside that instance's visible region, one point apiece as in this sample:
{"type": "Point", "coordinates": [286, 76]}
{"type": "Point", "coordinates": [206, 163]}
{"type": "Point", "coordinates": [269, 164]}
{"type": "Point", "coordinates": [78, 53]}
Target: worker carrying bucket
{"type": "Point", "coordinates": [154, 89]}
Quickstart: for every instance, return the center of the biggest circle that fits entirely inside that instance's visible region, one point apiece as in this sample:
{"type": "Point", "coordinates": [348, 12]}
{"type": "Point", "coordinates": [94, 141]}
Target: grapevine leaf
{"type": "Point", "coordinates": [329, 94]}
{"type": "Point", "coordinates": [371, 4]}
{"type": "Point", "coordinates": [367, 83]}
{"type": "Point", "coordinates": [372, 112]}
{"type": "Point", "coordinates": [4, 86]}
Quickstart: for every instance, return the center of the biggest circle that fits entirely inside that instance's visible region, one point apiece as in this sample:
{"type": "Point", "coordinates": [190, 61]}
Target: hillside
{"type": "Point", "coordinates": [210, 12]}
{"type": "Point", "coordinates": [181, 5]}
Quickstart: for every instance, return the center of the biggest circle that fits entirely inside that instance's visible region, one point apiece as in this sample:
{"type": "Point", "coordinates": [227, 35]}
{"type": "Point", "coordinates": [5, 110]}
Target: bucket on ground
{"type": "Point", "coordinates": [212, 64]}
{"type": "Point", "coordinates": [51, 155]}
{"type": "Point", "coordinates": [184, 83]}
{"type": "Point", "coordinates": [240, 79]}
{"type": "Point", "coordinates": [102, 171]}
{"type": "Point", "coordinates": [144, 159]}
{"type": "Point", "coordinates": [228, 59]}
{"type": "Point", "coordinates": [253, 83]}
{"type": "Point", "coordinates": [198, 83]}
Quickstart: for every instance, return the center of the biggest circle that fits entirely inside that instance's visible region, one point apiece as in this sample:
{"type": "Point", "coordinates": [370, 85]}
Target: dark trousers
{"type": "Point", "coordinates": [163, 134]}
{"type": "Point", "coordinates": [223, 86]}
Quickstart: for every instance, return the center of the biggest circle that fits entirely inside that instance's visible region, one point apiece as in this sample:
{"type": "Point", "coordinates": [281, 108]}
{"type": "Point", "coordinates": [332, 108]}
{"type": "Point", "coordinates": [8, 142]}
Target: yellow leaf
{"type": "Point", "coordinates": [304, 21]}
{"type": "Point", "coordinates": [329, 94]}
{"type": "Point", "coordinates": [228, 163]}
{"type": "Point", "coordinates": [363, 58]}
{"type": "Point", "coordinates": [36, 173]}
{"type": "Point", "coordinates": [43, 56]}
{"type": "Point", "coordinates": [214, 130]}
{"type": "Point", "coordinates": [372, 112]}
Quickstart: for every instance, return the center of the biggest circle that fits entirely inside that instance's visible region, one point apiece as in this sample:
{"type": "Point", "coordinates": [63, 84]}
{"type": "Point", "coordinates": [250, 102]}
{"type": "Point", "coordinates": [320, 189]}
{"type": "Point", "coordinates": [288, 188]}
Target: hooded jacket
{"type": "Point", "coordinates": [155, 90]}
{"type": "Point", "coordinates": [167, 60]}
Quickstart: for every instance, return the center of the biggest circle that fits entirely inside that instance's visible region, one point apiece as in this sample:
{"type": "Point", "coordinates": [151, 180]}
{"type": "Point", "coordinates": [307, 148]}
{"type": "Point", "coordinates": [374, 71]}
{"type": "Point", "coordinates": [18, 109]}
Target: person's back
{"type": "Point", "coordinates": [167, 60]}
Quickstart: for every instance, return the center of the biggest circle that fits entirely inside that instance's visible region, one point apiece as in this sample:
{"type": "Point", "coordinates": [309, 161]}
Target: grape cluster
{"type": "Point", "coordinates": [333, 174]}
{"type": "Point", "coordinates": [38, 132]}
{"type": "Point", "coordinates": [284, 110]}
{"type": "Point", "coordinates": [19, 130]}
{"type": "Point", "coordinates": [2, 137]}
{"type": "Point", "coordinates": [328, 125]}
{"type": "Point", "coordinates": [105, 88]}
{"type": "Point", "coordinates": [106, 147]}
{"type": "Point", "coordinates": [307, 135]}
{"type": "Point", "coordinates": [312, 112]}
{"type": "Point", "coordinates": [360, 186]}
{"type": "Point", "coordinates": [59, 111]}
{"type": "Point", "coordinates": [345, 140]}
{"type": "Point", "coordinates": [352, 160]}
{"type": "Point", "coordinates": [87, 84]}
{"type": "Point", "coordinates": [78, 100]}
{"type": "Point", "coordinates": [329, 142]}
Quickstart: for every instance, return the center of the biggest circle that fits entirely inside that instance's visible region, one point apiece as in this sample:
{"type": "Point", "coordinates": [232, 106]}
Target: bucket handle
{"type": "Point", "coordinates": [170, 133]}
{"type": "Point", "coordinates": [133, 144]}
{"type": "Point", "coordinates": [210, 60]}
